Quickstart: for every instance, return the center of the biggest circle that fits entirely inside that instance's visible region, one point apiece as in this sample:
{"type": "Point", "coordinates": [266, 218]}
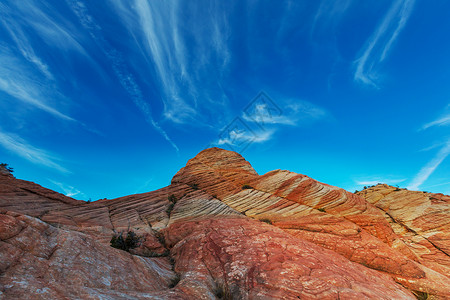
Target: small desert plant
{"type": "Point", "coordinates": [172, 198]}
{"type": "Point", "coordinates": [421, 295]}
{"type": "Point", "coordinates": [222, 291]}
{"type": "Point", "coordinates": [172, 262]}
{"type": "Point", "coordinates": [6, 167]}
{"type": "Point", "coordinates": [321, 209]}
{"type": "Point", "coordinates": [194, 186]}
{"type": "Point", "coordinates": [160, 238]}
{"type": "Point", "coordinates": [265, 220]}
{"type": "Point", "coordinates": [175, 280]}
{"type": "Point", "coordinates": [246, 186]}
{"type": "Point", "coordinates": [356, 192]}
{"type": "Point", "coordinates": [177, 277]}
{"type": "Point", "coordinates": [131, 241]}
{"type": "Point", "coordinates": [170, 208]}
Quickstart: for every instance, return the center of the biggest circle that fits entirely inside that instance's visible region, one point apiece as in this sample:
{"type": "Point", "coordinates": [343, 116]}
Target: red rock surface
{"type": "Point", "coordinates": [40, 261]}
{"type": "Point", "coordinates": [324, 242]}
{"type": "Point", "coordinates": [420, 219]}
{"type": "Point", "coordinates": [253, 260]}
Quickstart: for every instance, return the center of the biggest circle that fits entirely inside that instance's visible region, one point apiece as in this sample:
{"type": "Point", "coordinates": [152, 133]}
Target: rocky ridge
{"type": "Point", "coordinates": [202, 237]}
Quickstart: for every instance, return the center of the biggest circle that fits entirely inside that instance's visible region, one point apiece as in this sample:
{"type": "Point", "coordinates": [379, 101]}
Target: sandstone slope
{"type": "Point", "coordinates": [203, 231]}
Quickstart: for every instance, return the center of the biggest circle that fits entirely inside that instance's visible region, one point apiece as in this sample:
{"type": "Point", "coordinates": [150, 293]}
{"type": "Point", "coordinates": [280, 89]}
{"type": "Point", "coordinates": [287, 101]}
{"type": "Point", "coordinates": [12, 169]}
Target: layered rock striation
{"type": "Point", "coordinates": [221, 231]}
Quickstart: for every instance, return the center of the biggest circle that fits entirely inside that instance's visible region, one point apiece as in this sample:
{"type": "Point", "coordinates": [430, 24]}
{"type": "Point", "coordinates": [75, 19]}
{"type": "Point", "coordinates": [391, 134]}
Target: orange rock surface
{"type": "Point", "coordinates": [202, 238]}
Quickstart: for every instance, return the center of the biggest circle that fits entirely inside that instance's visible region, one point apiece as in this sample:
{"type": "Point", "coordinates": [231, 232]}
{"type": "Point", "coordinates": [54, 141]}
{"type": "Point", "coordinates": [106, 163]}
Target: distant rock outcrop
{"type": "Point", "coordinates": [202, 238]}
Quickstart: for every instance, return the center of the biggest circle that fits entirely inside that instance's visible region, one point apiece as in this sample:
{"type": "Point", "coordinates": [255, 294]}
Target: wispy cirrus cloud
{"type": "Point", "coordinates": [35, 28]}
{"type": "Point", "coordinates": [162, 33]}
{"type": "Point", "coordinates": [359, 182]}
{"type": "Point", "coordinates": [442, 120]}
{"type": "Point", "coordinates": [262, 118]}
{"type": "Point", "coordinates": [426, 171]}
{"type": "Point", "coordinates": [329, 12]}
{"type": "Point", "coordinates": [445, 120]}
{"type": "Point", "coordinates": [120, 68]}
{"type": "Point", "coordinates": [49, 25]}
{"type": "Point", "coordinates": [18, 81]}
{"type": "Point", "coordinates": [238, 136]}
{"type": "Point", "coordinates": [68, 190]}
{"type": "Point", "coordinates": [25, 48]}
{"type": "Point", "coordinates": [430, 167]}
{"type": "Point", "coordinates": [379, 179]}
{"type": "Point", "coordinates": [439, 184]}
{"type": "Point", "coordinates": [297, 112]}
{"type": "Point", "coordinates": [381, 41]}
{"type": "Point", "coordinates": [20, 147]}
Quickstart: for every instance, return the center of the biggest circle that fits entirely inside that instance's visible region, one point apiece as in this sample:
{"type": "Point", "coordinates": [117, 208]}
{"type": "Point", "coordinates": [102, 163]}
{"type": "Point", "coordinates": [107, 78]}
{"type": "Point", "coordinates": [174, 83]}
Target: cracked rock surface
{"type": "Point", "coordinates": [221, 231]}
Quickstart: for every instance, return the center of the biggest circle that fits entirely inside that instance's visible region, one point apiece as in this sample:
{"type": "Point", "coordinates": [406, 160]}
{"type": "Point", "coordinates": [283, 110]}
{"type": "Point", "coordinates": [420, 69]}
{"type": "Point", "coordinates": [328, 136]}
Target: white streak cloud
{"type": "Point", "coordinates": [17, 81]}
{"type": "Point", "coordinates": [68, 190]}
{"type": "Point", "coordinates": [35, 155]}
{"type": "Point", "coordinates": [379, 180]}
{"type": "Point", "coordinates": [380, 43]}
{"type": "Point", "coordinates": [442, 121]}
{"type": "Point", "coordinates": [28, 14]}
{"type": "Point", "coordinates": [329, 12]}
{"type": "Point", "coordinates": [160, 32]}
{"type": "Point", "coordinates": [26, 49]}
{"type": "Point", "coordinates": [119, 66]}
{"type": "Point", "coordinates": [237, 137]}
{"type": "Point", "coordinates": [296, 113]}
{"type": "Point", "coordinates": [430, 167]}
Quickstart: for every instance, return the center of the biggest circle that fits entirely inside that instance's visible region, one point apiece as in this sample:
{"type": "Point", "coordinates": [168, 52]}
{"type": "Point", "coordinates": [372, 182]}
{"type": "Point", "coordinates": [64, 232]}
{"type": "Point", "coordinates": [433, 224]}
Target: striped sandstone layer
{"type": "Point", "coordinates": [324, 243]}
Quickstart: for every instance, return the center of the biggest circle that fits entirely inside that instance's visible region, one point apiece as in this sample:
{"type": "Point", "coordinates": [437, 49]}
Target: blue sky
{"type": "Point", "coordinates": [100, 99]}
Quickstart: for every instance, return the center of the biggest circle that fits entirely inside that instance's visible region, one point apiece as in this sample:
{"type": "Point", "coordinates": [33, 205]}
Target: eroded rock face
{"type": "Point", "coordinates": [40, 261]}
{"type": "Point", "coordinates": [321, 242]}
{"type": "Point", "coordinates": [325, 215]}
{"type": "Point", "coordinates": [420, 219]}
{"type": "Point", "coordinates": [252, 260]}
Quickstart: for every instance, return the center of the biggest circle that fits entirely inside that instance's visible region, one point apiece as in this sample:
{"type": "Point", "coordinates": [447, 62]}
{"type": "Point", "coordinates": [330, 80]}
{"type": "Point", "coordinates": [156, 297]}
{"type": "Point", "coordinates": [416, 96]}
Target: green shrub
{"type": "Point", "coordinates": [222, 291]}
{"type": "Point", "coordinates": [421, 295]}
{"type": "Point", "coordinates": [177, 277]}
{"type": "Point", "coordinates": [6, 167]}
{"type": "Point", "coordinates": [246, 186]}
{"type": "Point", "coordinates": [170, 208]}
{"type": "Point", "coordinates": [321, 209]}
{"type": "Point", "coordinates": [131, 241]}
{"type": "Point", "coordinates": [175, 280]}
{"type": "Point", "coordinates": [194, 186]}
{"type": "Point", "coordinates": [172, 198]}
{"type": "Point", "coordinates": [265, 220]}
{"type": "Point", "coordinates": [160, 238]}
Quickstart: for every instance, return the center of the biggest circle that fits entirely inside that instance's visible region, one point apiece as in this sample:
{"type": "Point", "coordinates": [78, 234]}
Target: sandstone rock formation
{"type": "Point", "coordinates": [421, 220]}
{"type": "Point", "coordinates": [222, 231]}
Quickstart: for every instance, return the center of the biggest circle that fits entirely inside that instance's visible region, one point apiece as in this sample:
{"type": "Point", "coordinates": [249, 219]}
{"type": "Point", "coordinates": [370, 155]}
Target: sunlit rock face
{"type": "Point", "coordinates": [420, 219]}
{"type": "Point", "coordinates": [222, 231]}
